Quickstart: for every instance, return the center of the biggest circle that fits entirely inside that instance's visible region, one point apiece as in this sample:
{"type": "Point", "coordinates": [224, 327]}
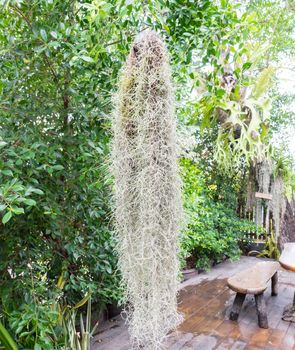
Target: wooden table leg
{"type": "Point", "coordinates": [261, 311]}
{"type": "Point", "coordinates": [236, 308]}
{"type": "Point", "coordinates": [275, 284]}
{"type": "Point", "coordinates": [289, 312]}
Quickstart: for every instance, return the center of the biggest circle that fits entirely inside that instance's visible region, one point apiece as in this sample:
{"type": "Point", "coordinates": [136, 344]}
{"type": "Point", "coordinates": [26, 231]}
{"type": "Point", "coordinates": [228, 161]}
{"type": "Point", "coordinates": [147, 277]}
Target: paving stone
{"type": "Point", "coordinates": [205, 302]}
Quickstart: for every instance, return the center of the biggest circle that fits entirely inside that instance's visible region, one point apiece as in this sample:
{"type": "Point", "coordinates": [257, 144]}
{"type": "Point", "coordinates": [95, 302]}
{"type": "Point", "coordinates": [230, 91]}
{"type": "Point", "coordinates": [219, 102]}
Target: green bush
{"type": "Point", "coordinates": [54, 187]}
{"type": "Point", "coordinates": [212, 229]}
{"type": "Point", "coordinates": [35, 324]}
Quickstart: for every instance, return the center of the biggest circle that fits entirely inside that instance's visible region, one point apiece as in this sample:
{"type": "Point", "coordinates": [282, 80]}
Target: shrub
{"type": "Point", "coordinates": [212, 231]}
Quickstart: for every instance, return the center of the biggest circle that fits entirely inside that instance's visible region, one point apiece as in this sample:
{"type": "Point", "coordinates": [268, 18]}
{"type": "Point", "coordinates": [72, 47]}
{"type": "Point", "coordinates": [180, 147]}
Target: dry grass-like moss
{"type": "Point", "coordinates": [147, 192]}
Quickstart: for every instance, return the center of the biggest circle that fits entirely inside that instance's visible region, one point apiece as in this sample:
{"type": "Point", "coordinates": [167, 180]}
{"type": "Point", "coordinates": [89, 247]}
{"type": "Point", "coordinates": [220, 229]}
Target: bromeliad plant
{"type": "Point", "coordinates": [271, 249]}
{"type": "Point", "coordinates": [41, 324]}
{"type": "Point", "coordinates": [78, 340]}
{"type": "Point", "coordinates": [147, 191]}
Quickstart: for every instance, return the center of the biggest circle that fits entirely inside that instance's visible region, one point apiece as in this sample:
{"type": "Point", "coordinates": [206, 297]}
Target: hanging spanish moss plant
{"type": "Point", "coordinates": [251, 189]}
{"type": "Point", "coordinates": [278, 203]}
{"type": "Point", "coordinates": [147, 192]}
{"type": "Point", "coordinates": [281, 175]}
{"type": "Point", "coordinates": [264, 169]}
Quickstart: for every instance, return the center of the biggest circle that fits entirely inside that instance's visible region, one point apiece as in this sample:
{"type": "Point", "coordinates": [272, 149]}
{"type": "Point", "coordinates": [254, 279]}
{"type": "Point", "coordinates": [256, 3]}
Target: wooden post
{"type": "Point", "coordinates": [275, 284]}
{"type": "Point", "coordinates": [261, 311]}
{"type": "Point", "coordinates": [236, 308]}
{"type": "Point", "coordinates": [267, 220]}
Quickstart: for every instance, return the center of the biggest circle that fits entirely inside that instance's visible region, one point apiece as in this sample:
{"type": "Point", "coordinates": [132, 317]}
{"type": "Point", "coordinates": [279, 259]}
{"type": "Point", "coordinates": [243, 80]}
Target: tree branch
{"type": "Point", "coordinates": [20, 13]}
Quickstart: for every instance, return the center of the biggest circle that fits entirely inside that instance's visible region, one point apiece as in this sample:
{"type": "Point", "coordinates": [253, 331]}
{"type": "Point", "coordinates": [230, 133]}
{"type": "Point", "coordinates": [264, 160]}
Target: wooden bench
{"type": "Point", "coordinates": [254, 281]}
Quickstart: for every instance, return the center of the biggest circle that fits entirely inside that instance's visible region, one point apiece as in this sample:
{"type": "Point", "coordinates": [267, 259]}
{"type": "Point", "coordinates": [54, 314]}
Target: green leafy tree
{"type": "Point", "coordinates": [58, 66]}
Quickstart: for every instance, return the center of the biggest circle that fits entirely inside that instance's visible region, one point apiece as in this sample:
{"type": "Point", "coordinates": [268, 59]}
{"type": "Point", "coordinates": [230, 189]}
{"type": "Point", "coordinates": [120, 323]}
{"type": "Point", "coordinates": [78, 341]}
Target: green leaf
{"type": "Point", "coordinates": [37, 347]}
{"type": "Point", "coordinates": [109, 270]}
{"type": "Point", "coordinates": [251, 17]}
{"type": "Point", "coordinates": [33, 190]}
{"type": "Point", "coordinates": [247, 65]}
{"type": "Point", "coordinates": [220, 93]}
{"type": "Point", "coordinates": [43, 34]}
{"type": "Point", "coordinates": [82, 301]}
{"type": "Point", "coordinates": [53, 34]}
{"type": "Point", "coordinates": [6, 339]}
{"type": "Point", "coordinates": [58, 167]}
{"type": "Point", "coordinates": [166, 28]}
{"type": "Point", "coordinates": [7, 172]}
{"type": "Point", "coordinates": [223, 3]}
{"type": "Point", "coordinates": [2, 207]}
{"type": "Point", "coordinates": [18, 210]}
{"type": "Point", "coordinates": [54, 44]}
{"type": "Point", "coordinates": [2, 144]}
{"type": "Point", "coordinates": [87, 59]}
{"type": "Point", "coordinates": [6, 217]}
{"type": "Point", "coordinates": [37, 191]}
{"type": "Point", "coordinates": [30, 202]}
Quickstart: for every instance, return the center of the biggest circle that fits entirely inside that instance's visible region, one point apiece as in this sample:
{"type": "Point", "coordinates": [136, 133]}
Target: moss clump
{"type": "Point", "coordinates": [147, 191]}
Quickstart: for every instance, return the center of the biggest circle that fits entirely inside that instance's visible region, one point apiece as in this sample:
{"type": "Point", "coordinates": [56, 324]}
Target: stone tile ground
{"type": "Point", "coordinates": [205, 302]}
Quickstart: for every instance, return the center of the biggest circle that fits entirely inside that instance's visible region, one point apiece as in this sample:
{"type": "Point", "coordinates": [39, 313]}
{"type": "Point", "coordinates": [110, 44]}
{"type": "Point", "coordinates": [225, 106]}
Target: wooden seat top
{"type": "Point", "coordinates": [287, 258]}
{"type": "Point", "coordinates": [253, 280]}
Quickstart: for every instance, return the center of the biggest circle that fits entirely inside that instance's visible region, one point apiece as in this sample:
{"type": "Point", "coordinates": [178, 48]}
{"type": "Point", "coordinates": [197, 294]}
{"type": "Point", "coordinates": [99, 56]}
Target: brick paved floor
{"type": "Point", "coordinates": [205, 302]}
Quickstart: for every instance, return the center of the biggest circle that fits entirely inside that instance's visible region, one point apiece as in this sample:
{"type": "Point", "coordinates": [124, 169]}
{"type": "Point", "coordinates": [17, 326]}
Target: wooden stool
{"type": "Point", "coordinates": [254, 281]}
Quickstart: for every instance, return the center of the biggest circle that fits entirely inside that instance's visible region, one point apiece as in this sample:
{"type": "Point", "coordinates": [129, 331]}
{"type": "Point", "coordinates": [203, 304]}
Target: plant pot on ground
{"type": "Point", "coordinates": [255, 247]}
{"type": "Point", "coordinates": [190, 269]}
{"type": "Point", "coordinates": [113, 310]}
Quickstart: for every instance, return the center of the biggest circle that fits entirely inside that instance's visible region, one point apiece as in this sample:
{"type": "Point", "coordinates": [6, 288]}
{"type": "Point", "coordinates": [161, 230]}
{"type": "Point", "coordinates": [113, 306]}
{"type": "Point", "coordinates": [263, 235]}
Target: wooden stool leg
{"type": "Point", "coordinates": [261, 311]}
{"type": "Point", "coordinates": [275, 284]}
{"type": "Point", "coordinates": [236, 308]}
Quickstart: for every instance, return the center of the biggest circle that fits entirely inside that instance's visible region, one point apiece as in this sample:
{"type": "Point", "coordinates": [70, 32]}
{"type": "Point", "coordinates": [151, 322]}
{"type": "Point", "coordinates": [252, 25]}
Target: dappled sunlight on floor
{"type": "Point", "coordinates": [205, 302]}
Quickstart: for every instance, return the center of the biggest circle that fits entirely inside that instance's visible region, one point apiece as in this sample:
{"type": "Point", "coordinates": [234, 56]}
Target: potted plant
{"type": "Point", "coordinates": [189, 270]}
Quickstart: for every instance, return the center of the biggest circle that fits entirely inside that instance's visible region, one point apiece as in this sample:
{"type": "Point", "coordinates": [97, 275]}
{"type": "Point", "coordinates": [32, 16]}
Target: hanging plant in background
{"type": "Point", "coordinates": [281, 176]}
{"type": "Point", "coordinates": [147, 192]}
{"type": "Point", "coordinates": [235, 107]}
{"type": "Point", "coordinates": [244, 121]}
